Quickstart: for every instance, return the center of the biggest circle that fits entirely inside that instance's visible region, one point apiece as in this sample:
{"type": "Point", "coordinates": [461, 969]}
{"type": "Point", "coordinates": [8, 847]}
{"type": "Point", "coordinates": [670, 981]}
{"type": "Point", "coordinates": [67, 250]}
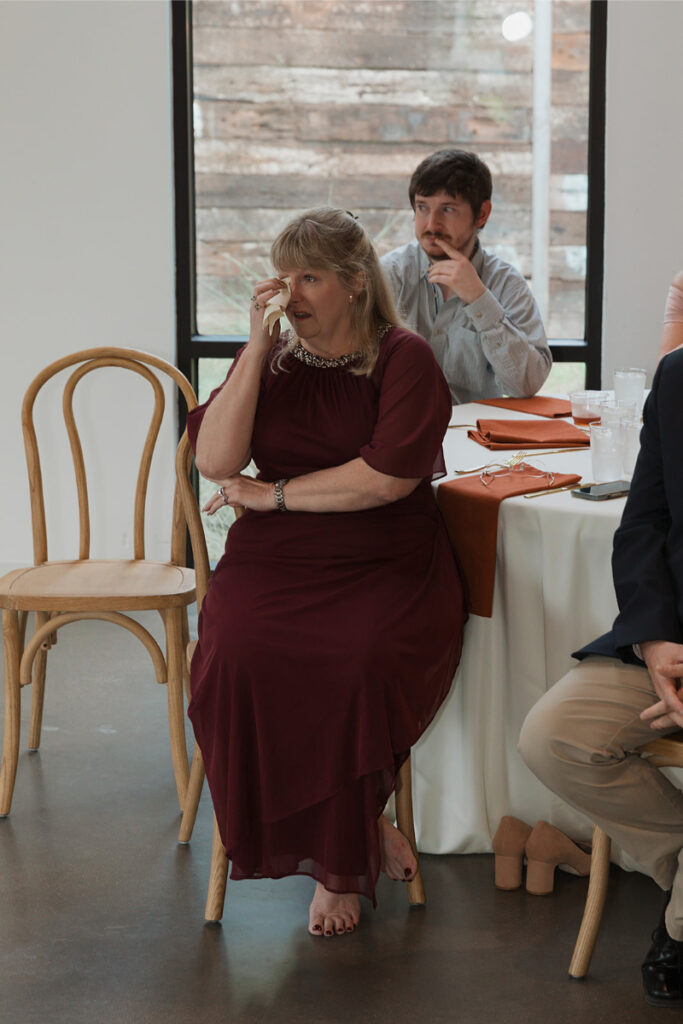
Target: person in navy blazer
{"type": "Point", "coordinates": [582, 736]}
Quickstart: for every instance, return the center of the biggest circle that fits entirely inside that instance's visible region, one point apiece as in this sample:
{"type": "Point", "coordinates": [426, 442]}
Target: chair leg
{"type": "Point", "coordinates": [23, 619]}
{"type": "Point", "coordinates": [404, 820]}
{"type": "Point", "coordinates": [595, 903]}
{"type": "Point", "coordinates": [194, 792]}
{"type": "Point", "coordinates": [10, 743]}
{"type": "Point", "coordinates": [186, 661]}
{"type": "Point", "coordinates": [218, 878]}
{"type": "Point", "coordinates": [176, 709]}
{"type": "Point", "coordinates": [38, 688]}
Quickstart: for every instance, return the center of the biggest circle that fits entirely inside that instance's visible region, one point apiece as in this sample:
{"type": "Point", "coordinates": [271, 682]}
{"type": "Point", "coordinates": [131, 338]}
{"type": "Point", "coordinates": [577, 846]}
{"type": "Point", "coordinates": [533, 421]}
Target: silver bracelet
{"type": "Point", "coordinates": [279, 496]}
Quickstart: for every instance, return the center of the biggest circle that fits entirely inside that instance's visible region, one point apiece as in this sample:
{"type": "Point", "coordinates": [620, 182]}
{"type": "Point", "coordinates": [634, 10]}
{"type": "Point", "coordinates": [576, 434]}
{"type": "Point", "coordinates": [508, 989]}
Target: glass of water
{"type": "Point", "coordinates": [616, 413]}
{"type": "Point", "coordinates": [586, 406]}
{"type": "Point", "coordinates": [606, 452]}
{"type": "Point", "coordinates": [629, 386]}
{"type": "Point", "coordinates": [630, 446]}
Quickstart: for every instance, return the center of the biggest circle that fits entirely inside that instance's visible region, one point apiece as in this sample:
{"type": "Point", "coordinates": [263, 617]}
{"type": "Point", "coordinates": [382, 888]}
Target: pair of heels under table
{"type": "Point", "coordinates": [544, 847]}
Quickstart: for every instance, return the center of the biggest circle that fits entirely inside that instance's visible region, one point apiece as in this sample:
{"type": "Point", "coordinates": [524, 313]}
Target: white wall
{"type": "Point", "coordinates": [644, 176]}
{"type": "Point", "coordinates": [87, 242]}
{"type": "Point", "coordinates": [86, 214]}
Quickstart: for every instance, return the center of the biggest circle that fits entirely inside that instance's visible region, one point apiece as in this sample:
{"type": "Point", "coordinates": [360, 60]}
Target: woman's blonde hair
{"type": "Point", "coordinates": [326, 238]}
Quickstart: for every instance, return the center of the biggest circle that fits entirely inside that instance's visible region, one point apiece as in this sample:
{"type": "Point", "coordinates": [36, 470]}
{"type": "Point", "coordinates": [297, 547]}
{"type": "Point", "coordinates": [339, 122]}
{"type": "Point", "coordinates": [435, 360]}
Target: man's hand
{"type": "Point", "coordinates": [664, 662]}
{"type": "Point", "coordinates": [456, 274]}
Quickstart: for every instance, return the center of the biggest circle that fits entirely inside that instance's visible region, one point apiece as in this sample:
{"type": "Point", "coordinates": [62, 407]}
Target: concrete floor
{"type": "Point", "coordinates": [101, 912]}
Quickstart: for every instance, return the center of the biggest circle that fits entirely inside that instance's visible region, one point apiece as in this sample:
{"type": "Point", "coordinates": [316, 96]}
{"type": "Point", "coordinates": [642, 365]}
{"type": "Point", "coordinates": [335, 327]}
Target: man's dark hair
{"type": "Point", "coordinates": [456, 172]}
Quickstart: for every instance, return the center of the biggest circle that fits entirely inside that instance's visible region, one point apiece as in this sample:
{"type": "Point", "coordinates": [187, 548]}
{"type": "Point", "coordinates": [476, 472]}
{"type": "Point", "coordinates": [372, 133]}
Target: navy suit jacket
{"type": "Point", "coordinates": [647, 556]}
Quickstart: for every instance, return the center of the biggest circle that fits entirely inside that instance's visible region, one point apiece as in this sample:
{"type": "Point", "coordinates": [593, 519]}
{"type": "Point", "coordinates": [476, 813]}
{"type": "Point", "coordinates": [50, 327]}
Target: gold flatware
{"type": "Point", "coordinates": [556, 490]}
{"type": "Point", "coordinates": [517, 458]}
{"type": "Point", "coordinates": [510, 463]}
{"type": "Point", "coordinates": [559, 451]}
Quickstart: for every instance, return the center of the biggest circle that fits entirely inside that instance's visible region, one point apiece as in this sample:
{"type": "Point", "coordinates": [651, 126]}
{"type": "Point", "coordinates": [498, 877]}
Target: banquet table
{"type": "Point", "coordinates": [553, 593]}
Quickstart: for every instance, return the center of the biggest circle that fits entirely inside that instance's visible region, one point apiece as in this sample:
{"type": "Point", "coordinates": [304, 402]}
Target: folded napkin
{"type": "Point", "coordinates": [275, 307]}
{"type": "Point", "coordinates": [536, 406]}
{"type": "Point", "coordinates": [470, 511]}
{"type": "Point", "coordinates": [496, 434]}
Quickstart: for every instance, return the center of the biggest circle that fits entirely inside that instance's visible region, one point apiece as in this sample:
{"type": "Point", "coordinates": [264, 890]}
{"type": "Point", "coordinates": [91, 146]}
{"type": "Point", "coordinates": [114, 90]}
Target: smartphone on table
{"type": "Point", "coordinates": [603, 492]}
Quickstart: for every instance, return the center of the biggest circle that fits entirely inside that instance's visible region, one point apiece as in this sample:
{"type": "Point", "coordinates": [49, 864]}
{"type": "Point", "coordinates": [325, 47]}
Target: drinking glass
{"type": "Point", "coordinates": [586, 406]}
{"type": "Point", "coordinates": [606, 455]}
{"type": "Point", "coordinates": [630, 446]}
{"type": "Point", "coordinates": [629, 386]}
{"type": "Point", "coordinates": [615, 413]}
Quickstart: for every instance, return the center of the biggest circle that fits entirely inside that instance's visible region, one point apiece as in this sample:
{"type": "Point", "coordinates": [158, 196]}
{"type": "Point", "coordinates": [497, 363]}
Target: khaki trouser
{"type": "Point", "coordinates": [579, 740]}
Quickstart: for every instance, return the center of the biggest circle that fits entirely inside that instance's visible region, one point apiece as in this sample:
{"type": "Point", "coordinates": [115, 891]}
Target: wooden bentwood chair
{"type": "Point", "coordinates": [61, 592]}
{"type": "Point", "coordinates": [664, 752]}
{"type": "Point", "coordinates": [218, 876]}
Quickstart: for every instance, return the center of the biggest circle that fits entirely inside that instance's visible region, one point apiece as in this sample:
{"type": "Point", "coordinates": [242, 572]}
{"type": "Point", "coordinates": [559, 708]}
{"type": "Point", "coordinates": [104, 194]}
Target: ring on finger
{"type": "Point", "coordinates": [223, 495]}
{"type": "Point", "coordinates": [257, 305]}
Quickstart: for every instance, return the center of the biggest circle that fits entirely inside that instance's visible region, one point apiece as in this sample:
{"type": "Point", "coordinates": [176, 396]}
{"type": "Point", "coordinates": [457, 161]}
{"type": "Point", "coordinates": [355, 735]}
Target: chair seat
{"type": "Point", "coordinates": [92, 584]}
{"type": "Point", "coordinates": [665, 751]}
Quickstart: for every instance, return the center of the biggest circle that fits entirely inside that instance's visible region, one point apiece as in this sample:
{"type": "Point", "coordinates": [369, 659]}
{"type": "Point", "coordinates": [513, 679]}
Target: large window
{"type": "Point", "coordinates": [301, 104]}
{"type": "Point", "coordinates": [283, 104]}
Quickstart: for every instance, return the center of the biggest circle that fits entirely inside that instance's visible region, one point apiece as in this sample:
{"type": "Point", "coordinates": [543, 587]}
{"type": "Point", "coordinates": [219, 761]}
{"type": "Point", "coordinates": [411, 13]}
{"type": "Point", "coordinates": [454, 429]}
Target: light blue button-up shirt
{"type": "Point", "coordinates": [495, 345]}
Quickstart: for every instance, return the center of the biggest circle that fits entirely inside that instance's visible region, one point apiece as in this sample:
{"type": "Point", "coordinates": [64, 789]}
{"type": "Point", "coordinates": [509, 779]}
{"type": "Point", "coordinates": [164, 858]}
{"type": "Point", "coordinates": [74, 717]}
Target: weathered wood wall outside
{"type": "Point", "coordinates": [306, 102]}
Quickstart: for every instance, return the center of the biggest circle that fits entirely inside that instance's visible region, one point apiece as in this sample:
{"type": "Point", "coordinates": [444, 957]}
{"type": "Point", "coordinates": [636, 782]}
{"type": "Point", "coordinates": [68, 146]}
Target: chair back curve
{"type": "Point", "coordinates": [151, 368]}
{"type": "Point", "coordinates": [191, 518]}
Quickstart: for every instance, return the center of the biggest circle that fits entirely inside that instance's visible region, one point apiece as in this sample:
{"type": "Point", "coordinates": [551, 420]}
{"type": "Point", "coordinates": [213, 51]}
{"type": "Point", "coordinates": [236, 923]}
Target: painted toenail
{"type": "Point", "coordinates": [406, 872]}
{"type": "Point", "coordinates": [317, 928]}
{"type": "Point", "coordinates": [328, 933]}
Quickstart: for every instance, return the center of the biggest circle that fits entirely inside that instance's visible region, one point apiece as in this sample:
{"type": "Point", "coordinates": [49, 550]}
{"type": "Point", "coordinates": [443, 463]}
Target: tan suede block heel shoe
{"type": "Point", "coordinates": [508, 845]}
{"type": "Point", "coordinates": [545, 848]}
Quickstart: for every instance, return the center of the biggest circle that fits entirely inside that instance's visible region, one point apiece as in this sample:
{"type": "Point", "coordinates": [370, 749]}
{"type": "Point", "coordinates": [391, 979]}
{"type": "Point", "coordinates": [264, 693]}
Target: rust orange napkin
{"type": "Point", "coordinates": [536, 406]}
{"type": "Point", "coordinates": [470, 511]}
{"type": "Point", "coordinates": [497, 434]}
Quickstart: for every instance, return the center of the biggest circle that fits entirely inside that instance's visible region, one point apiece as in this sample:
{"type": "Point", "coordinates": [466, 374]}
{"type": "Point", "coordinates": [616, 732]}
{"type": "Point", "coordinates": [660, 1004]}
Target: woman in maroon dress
{"type": "Point", "coordinates": [332, 626]}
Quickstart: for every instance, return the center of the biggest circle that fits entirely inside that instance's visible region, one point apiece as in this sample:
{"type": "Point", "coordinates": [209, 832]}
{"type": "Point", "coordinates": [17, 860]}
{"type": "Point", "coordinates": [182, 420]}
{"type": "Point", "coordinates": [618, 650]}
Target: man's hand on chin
{"type": "Point", "coordinates": [664, 661]}
{"type": "Point", "coordinates": [456, 274]}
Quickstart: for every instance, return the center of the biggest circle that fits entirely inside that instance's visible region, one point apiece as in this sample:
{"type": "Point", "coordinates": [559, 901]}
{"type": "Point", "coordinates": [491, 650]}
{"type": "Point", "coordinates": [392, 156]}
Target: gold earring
{"type": "Point", "coordinates": [350, 298]}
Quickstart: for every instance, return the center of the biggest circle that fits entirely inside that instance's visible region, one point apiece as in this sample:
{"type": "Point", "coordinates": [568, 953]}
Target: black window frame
{"type": "Point", "coordinates": [192, 346]}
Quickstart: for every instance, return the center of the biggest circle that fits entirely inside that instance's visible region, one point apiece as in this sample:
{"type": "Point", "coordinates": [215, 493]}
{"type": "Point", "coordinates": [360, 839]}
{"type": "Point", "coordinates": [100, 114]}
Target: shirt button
{"type": "Point", "coordinates": [479, 315]}
{"type": "Point", "coordinates": [439, 331]}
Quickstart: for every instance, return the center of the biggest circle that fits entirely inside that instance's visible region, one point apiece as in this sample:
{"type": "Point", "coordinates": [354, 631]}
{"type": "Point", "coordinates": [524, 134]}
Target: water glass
{"type": "Point", "coordinates": [616, 413]}
{"type": "Point", "coordinates": [629, 386]}
{"type": "Point", "coordinates": [606, 457]}
{"type": "Point", "coordinates": [630, 446]}
{"type": "Point", "coordinates": [586, 405]}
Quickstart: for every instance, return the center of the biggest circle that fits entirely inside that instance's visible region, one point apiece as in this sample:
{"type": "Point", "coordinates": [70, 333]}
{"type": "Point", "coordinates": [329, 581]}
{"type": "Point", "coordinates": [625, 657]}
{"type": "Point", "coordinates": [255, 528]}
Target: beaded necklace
{"type": "Point", "coordinates": [304, 356]}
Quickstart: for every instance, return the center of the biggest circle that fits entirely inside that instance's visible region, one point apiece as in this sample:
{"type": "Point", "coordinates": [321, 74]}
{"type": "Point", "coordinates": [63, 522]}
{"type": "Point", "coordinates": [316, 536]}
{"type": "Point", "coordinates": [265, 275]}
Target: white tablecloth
{"type": "Point", "coordinates": [553, 593]}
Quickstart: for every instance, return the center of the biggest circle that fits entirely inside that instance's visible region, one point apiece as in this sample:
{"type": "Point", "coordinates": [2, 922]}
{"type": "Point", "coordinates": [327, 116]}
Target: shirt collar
{"type": "Point", "coordinates": [423, 261]}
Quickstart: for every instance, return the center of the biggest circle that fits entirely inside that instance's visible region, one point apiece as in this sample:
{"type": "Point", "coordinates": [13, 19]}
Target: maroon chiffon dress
{"type": "Point", "coordinates": [327, 641]}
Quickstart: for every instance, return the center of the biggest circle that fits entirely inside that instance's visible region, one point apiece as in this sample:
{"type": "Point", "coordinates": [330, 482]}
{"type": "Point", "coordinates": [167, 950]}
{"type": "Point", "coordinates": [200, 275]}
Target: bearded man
{"type": "Point", "coordinates": [475, 310]}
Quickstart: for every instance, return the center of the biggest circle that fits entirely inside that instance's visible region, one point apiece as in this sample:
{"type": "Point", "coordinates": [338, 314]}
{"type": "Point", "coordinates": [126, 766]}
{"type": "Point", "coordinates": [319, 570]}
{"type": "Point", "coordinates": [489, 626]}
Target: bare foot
{"type": "Point", "coordinates": [398, 860]}
{"type": "Point", "coordinates": [333, 913]}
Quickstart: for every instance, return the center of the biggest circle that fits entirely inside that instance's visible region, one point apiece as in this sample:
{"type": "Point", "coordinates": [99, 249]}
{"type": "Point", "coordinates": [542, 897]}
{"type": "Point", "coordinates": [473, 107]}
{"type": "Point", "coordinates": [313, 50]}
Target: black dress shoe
{"type": "Point", "coordinates": [663, 970]}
